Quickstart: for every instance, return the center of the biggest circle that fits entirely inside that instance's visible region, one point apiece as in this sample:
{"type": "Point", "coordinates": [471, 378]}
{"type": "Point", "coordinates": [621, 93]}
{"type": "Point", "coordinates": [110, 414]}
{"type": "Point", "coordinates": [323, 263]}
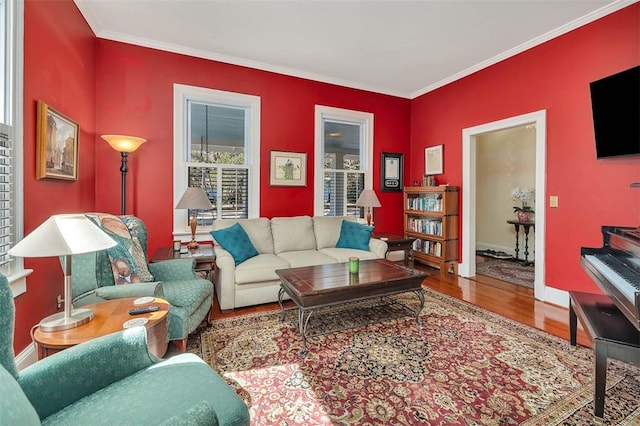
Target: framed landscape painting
{"type": "Point", "coordinates": [57, 150]}
{"type": "Point", "coordinates": [288, 168]}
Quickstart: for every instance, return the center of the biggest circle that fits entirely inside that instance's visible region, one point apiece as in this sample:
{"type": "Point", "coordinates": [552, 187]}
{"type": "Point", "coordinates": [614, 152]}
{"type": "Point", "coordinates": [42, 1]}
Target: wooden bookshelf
{"type": "Point", "coordinates": [431, 216]}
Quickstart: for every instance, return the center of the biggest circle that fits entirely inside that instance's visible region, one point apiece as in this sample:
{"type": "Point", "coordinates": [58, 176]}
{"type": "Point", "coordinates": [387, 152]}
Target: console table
{"type": "Point", "coordinates": [398, 242]}
{"type": "Point", "coordinates": [612, 335]}
{"type": "Point", "coordinates": [526, 226]}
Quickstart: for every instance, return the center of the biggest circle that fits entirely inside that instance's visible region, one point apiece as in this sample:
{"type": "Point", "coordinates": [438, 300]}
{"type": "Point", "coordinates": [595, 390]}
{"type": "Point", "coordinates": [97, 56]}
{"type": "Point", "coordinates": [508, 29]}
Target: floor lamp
{"type": "Point", "coordinates": [64, 235]}
{"type": "Point", "coordinates": [368, 199]}
{"type": "Point", "coordinates": [124, 145]}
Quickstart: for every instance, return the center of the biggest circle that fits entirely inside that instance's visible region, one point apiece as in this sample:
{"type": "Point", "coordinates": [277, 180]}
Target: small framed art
{"type": "Point", "coordinates": [433, 160]}
{"type": "Point", "coordinates": [288, 168]}
{"type": "Point", "coordinates": [391, 172]}
{"type": "Point", "coordinates": [57, 149]}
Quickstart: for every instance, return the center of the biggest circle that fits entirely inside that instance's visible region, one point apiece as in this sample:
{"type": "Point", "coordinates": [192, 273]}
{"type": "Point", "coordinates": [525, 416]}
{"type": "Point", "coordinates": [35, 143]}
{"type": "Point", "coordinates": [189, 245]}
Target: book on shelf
{"type": "Point", "coordinates": [425, 226]}
{"type": "Point", "coordinates": [425, 202]}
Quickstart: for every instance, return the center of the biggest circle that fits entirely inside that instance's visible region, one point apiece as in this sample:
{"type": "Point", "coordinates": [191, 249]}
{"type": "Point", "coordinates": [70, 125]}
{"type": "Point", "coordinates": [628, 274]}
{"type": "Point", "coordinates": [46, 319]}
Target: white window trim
{"type": "Point", "coordinates": [15, 42]}
{"type": "Point", "coordinates": [182, 93]}
{"type": "Point", "coordinates": [364, 118]}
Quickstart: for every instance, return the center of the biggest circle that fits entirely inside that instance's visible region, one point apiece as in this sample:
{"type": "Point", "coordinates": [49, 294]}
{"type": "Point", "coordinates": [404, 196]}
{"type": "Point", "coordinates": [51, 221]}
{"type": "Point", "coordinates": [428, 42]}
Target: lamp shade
{"type": "Point", "coordinates": [368, 198]}
{"type": "Point", "coordinates": [63, 234]}
{"type": "Point", "coordinates": [194, 198]}
{"type": "Point", "coordinates": [122, 143]}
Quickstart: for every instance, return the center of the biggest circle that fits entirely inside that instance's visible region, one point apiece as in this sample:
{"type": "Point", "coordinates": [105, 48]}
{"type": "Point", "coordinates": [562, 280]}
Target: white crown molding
{"type": "Point", "coordinates": [593, 16]}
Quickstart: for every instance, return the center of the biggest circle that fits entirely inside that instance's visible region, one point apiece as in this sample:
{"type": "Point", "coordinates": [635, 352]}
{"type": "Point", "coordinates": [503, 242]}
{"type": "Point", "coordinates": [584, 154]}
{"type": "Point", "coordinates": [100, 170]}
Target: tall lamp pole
{"type": "Point", "coordinates": [124, 145]}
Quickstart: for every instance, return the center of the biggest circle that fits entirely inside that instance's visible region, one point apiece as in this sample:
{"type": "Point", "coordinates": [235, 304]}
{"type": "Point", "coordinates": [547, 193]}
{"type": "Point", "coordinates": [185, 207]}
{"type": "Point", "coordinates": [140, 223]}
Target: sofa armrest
{"type": "Point", "coordinates": [225, 278]}
{"type": "Point", "coordinates": [173, 270]}
{"type": "Point", "coordinates": [130, 290]}
{"type": "Point", "coordinates": [199, 414]}
{"type": "Point", "coordinates": [65, 377]}
{"type": "Point", "coordinates": [378, 247]}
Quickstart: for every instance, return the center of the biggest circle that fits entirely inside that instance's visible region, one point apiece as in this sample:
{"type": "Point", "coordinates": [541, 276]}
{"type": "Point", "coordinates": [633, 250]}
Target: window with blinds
{"type": "Point", "coordinates": [345, 163]}
{"type": "Point", "coordinates": [6, 204]}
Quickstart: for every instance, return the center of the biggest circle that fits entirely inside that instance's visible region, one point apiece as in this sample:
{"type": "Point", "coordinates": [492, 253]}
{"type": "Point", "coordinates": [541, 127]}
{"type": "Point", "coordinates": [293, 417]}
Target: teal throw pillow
{"type": "Point", "coordinates": [235, 240]}
{"type": "Point", "coordinates": [354, 235]}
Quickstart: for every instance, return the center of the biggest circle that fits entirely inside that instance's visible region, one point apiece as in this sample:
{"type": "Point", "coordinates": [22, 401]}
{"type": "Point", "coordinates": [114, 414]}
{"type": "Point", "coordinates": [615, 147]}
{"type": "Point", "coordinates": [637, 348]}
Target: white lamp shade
{"type": "Point", "coordinates": [368, 198]}
{"type": "Point", "coordinates": [63, 234]}
{"type": "Point", "coordinates": [122, 143]}
{"type": "Point", "coordinates": [194, 198]}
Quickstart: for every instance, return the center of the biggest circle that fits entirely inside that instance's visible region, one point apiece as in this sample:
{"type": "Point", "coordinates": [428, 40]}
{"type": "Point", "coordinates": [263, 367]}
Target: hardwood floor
{"type": "Point", "coordinates": [509, 300]}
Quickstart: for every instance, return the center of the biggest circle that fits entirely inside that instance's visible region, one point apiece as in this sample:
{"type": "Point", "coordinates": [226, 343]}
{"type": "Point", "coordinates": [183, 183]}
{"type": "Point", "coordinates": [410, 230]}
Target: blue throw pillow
{"type": "Point", "coordinates": [354, 235]}
{"type": "Point", "coordinates": [235, 240]}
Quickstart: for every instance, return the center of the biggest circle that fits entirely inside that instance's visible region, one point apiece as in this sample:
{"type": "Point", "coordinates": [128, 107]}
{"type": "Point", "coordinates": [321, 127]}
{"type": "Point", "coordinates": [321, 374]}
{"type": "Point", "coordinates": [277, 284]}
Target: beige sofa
{"type": "Point", "coordinates": [283, 242]}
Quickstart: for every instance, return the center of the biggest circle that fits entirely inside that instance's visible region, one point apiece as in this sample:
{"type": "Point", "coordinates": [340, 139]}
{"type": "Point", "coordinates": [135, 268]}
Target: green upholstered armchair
{"type": "Point", "coordinates": [189, 295]}
{"type": "Point", "coordinates": [111, 380]}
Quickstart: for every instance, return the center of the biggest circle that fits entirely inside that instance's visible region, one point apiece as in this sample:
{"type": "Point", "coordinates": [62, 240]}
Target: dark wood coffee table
{"type": "Point", "coordinates": [315, 287]}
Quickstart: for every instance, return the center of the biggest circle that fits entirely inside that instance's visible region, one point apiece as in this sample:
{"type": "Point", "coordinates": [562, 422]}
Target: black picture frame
{"type": "Point", "coordinates": [391, 172]}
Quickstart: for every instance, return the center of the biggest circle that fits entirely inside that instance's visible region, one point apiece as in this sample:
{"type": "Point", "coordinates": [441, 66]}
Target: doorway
{"type": "Point", "coordinates": [470, 137]}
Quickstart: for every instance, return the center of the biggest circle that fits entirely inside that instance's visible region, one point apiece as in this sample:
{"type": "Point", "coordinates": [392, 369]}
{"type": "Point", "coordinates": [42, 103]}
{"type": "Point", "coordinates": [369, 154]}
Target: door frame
{"type": "Point", "coordinates": [468, 266]}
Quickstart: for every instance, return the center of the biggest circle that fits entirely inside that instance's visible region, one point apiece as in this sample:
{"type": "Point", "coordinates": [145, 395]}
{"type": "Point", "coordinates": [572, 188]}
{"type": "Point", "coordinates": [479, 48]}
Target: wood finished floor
{"type": "Point", "coordinates": [506, 299]}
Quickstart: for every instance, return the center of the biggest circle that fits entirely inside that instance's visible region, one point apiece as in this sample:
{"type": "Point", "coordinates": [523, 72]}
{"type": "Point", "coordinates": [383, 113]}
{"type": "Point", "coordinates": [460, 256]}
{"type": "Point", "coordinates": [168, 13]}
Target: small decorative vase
{"type": "Point", "coordinates": [523, 216]}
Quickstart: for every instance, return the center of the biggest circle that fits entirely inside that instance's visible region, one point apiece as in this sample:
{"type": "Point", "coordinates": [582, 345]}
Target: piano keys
{"type": "Point", "coordinates": [615, 267]}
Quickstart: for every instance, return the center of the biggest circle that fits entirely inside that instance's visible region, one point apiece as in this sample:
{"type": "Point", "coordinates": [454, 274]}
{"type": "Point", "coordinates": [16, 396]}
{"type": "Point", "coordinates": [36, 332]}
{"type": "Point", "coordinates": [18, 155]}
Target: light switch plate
{"type": "Point", "coordinates": [553, 201]}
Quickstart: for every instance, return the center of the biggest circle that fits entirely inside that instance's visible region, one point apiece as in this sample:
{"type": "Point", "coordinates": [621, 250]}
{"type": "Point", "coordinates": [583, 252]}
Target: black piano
{"type": "Point", "coordinates": [612, 320]}
{"type": "Point", "coordinates": [615, 267]}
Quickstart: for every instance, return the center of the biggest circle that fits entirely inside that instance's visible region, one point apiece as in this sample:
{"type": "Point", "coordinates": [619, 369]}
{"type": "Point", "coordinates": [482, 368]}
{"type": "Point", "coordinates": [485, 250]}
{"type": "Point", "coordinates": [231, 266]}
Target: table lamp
{"type": "Point", "coordinates": [368, 199]}
{"type": "Point", "coordinates": [194, 198]}
{"type": "Point", "coordinates": [64, 235]}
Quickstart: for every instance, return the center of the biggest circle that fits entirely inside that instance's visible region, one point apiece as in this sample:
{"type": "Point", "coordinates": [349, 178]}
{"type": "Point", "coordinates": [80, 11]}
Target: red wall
{"type": "Point", "coordinates": [134, 96]}
{"type": "Point", "coordinates": [59, 58]}
{"type": "Point", "coordinates": [554, 76]}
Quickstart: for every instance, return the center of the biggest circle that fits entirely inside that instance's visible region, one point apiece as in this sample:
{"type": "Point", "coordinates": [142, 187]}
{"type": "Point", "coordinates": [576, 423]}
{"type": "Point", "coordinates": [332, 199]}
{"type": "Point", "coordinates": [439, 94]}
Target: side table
{"type": "Point", "coordinates": [526, 226]}
{"type": "Point", "coordinates": [109, 317]}
{"type": "Point", "coordinates": [204, 256]}
{"type": "Point", "coordinates": [398, 242]}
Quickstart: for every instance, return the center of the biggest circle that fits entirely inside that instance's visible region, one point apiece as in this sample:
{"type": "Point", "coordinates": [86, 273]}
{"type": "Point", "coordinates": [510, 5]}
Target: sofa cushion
{"type": "Point", "coordinates": [343, 254]}
{"type": "Point", "coordinates": [258, 230]}
{"type": "Point", "coordinates": [259, 269]}
{"type": "Point", "coordinates": [354, 235]}
{"type": "Point", "coordinates": [235, 240]}
{"type": "Point", "coordinates": [128, 261]}
{"type": "Point", "coordinates": [327, 229]}
{"type": "Point", "coordinates": [292, 234]}
{"type": "Point", "coordinates": [300, 258]}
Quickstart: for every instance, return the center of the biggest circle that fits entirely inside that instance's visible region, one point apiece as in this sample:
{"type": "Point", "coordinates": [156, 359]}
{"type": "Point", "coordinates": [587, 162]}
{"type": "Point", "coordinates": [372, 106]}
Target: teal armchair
{"type": "Point", "coordinates": [111, 380]}
{"type": "Point", "coordinates": [190, 296]}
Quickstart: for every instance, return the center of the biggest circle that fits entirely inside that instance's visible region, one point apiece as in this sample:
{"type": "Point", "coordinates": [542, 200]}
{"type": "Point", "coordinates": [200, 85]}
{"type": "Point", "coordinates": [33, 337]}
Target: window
{"type": "Point", "coordinates": [344, 160]}
{"type": "Point", "coordinates": [217, 148]}
{"type": "Point", "coordinates": [11, 124]}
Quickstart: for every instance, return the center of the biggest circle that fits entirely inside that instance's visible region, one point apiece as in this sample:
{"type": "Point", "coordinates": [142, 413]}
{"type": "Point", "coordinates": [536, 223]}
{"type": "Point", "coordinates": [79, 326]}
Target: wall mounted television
{"type": "Point", "coordinates": [615, 106]}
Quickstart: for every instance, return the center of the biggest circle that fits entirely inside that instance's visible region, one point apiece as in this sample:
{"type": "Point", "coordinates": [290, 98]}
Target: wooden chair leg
{"type": "Point", "coordinates": [181, 344]}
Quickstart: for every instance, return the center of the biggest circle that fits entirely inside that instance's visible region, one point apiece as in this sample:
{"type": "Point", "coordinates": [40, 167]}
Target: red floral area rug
{"type": "Point", "coordinates": [465, 366]}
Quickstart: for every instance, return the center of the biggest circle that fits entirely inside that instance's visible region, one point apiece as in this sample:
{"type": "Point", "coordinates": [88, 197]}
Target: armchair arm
{"type": "Point", "coordinates": [130, 290]}
{"type": "Point", "coordinates": [378, 247]}
{"type": "Point", "coordinates": [200, 414]}
{"type": "Point", "coordinates": [65, 377]}
{"type": "Point", "coordinates": [172, 270]}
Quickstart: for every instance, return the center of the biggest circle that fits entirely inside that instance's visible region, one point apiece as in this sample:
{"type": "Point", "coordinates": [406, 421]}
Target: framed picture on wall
{"type": "Point", "coordinates": [57, 149]}
{"type": "Point", "coordinates": [391, 172]}
{"type": "Point", "coordinates": [288, 168]}
{"type": "Point", "coordinates": [433, 160]}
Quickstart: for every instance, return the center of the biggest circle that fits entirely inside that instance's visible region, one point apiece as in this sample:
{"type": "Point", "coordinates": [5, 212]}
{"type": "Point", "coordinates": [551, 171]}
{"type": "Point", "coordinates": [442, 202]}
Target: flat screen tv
{"type": "Point", "coordinates": [615, 104]}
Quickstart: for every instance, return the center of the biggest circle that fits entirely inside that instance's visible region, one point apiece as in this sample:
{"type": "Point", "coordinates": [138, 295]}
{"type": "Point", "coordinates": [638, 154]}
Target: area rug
{"type": "Point", "coordinates": [507, 270]}
{"type": "Point", "coordinates": [465, 366]}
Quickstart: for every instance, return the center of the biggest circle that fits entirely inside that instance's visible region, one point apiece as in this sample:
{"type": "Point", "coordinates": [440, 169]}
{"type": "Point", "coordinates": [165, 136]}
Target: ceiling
{"type": "Point", "coordinates": [396, 47]}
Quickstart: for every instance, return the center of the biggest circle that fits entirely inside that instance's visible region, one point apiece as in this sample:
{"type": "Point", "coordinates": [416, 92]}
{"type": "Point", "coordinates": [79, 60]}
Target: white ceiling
{"type": "Point", "coordinates": [402, 48]}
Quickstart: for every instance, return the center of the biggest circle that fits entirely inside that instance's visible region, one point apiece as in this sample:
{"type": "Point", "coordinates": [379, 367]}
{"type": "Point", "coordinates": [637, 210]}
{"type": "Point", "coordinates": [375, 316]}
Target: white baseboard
{"type": "Point", "coordinates": [27, 357]}
{"type": "Point", "coordinates": [557, 297]}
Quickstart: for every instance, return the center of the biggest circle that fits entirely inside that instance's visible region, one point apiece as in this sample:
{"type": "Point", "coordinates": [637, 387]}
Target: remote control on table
{"type": "Point", "coordinates": [143, 310]}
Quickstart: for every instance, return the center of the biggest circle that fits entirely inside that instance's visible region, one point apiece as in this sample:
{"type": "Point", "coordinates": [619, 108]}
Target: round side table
{"type": "Point", "coordinates": [109, 317]}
